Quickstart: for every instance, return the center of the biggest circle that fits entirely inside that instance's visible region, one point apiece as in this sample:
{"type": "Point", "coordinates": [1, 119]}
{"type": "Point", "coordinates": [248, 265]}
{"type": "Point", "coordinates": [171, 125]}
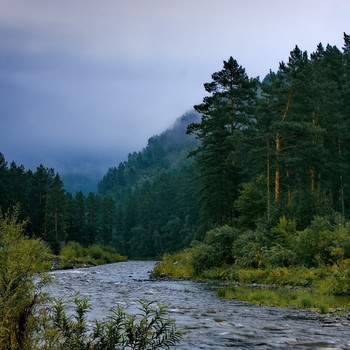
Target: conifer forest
{"type": "Point", "coordinates": [266, 159]}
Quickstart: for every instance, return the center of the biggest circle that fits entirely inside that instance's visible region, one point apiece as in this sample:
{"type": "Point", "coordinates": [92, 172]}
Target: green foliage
{"type": "Point", "coordinates": [216, 249]}
{"type": "Point", "coordinates": [285, 232]}
{"type": "Point", "coordinates": [278, 256]}
{"type": "Point", "coordinates": [251, 203]}
{"type": "Point", "coordinates": [150, 329]}
{"type": "Point", "coordinates": [21, 259]}
{"type": "Point", "coordinates": [176, 265]}
{"type": "Point", "coordinates": [204, 257]}
{"type": "Point", "coordinates": [227, 116]}
{"type": "Point", "coordinates": [322, 243]}
{"type": "Point", "coordinates": [94, 254]}
{"type": "Point", "coordinates": [337, 281]}
{"type": "Point", "coordinates": [73, 251]}
{"type": "Point", "coordinates": [300, 299]}
{"type": "Point", "coordinates": [250, 247]}
{"type": "Point", "coordinates": [24, 326]}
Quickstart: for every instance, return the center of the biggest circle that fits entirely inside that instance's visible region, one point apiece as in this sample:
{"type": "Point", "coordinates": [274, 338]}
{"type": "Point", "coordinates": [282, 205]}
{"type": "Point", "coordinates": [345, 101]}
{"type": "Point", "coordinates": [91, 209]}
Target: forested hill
{"type": "Point", "coordinates": [167, 150]}
{"type": "Point", "coordinates": [153, 193]}
{"type": "Point", "coordinates": [143, 208]}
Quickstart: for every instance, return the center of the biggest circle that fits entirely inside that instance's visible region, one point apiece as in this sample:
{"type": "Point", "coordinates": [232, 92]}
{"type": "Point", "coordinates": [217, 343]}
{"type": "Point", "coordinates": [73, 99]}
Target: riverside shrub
{"type": "Point", "coordinates": [150, 329]}
{"type": "Point", "coordinates": [94, 254]}
{"type": "Point", "coordinates": [21, 259]}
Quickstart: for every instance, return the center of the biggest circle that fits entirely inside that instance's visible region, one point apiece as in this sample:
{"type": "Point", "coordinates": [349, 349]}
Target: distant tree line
{"type": "Point", "coordinates": [144, 206]}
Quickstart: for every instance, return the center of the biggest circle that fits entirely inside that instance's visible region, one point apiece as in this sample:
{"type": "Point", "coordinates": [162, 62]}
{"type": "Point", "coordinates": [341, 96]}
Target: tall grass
{"type": "Point", "coordinates": [175, 266]}
{"type": "Point", "coordinates": [300, 299]}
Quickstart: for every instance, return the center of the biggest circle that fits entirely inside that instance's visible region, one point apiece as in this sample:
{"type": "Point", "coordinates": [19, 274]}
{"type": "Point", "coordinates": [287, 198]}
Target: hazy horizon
{"type": "Point", "coordinates": [84, 83]}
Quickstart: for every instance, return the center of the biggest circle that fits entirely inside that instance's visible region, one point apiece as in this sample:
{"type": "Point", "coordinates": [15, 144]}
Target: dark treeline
{"type": "Point", "coordinates": [280, 147]}
{"type": "Point", "coordinates": [40, 197]}
{"type": "Point", "coordinates": [156, 211]}
{"type": "Point", "coordinates": [142, 207]}
{"type": "Point", "coordinates": [252, 153]}
{"type": "Point", "coordinates": [267, 150]}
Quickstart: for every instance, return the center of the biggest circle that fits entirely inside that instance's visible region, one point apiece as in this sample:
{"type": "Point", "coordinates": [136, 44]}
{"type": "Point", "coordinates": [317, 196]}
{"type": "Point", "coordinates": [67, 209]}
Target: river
{"type": "Point", "coordinates": [208, 322]}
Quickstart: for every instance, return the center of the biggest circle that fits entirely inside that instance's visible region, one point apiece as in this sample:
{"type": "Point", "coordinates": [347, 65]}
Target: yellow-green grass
{"type": "Point", "coordinates": [175, 266]}
{"type": "Point", "coordinates": [296, 286]}
{"type": "Point", "coordinates": [300, 299]}
{"type": "Point", "coordinates": [92, 255]}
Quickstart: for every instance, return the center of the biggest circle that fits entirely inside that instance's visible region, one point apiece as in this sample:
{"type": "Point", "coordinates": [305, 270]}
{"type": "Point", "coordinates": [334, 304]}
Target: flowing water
{"type": "Point", "coordinates": [208, 322]}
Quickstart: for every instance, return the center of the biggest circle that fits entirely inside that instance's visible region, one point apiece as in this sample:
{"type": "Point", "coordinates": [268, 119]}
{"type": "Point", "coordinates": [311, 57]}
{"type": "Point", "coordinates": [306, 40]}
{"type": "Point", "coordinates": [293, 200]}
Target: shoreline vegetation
{"type": "Point", "coordinates": [74, 255]}
{"type": "Point", "coordinates": [296, 287]}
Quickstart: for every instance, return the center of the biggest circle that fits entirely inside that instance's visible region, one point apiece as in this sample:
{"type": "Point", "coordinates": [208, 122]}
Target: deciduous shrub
{"type": "Point", "coordinates": [150, 329]}
{"type": "Point", "coordinates": [216, 249]}
{"type": "Point", "coordinates": [178, 265]}
{"type": "Point", "coordinates": [94, 254]}
{"type": "Point", "coordinates": [322, 243]}
{"type": "Point", "coordinates": [20, 284]}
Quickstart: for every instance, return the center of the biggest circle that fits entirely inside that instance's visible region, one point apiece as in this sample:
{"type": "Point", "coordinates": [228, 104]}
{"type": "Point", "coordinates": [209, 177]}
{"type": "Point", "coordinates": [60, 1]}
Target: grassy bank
{"type": "Point", "coordinates": [75, 255]}
{"type": "Point", "coordinates": [297, 287]}
{"type": "Point", "coordinates": [300, 299]}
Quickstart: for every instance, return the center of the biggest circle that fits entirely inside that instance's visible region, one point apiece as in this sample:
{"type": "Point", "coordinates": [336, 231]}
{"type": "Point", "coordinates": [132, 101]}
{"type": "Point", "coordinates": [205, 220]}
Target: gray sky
{"type": "Point", "coordinates": [85, 82]}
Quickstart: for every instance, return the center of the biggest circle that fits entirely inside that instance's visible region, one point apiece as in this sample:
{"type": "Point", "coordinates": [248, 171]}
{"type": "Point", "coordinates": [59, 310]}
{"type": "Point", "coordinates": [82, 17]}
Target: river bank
{"type": "Point", "coordinates": [73, 256]}
{"type": "Point", "coordinates": [294, 287]}
{"type": "Point", "coordinates": [208, 321]}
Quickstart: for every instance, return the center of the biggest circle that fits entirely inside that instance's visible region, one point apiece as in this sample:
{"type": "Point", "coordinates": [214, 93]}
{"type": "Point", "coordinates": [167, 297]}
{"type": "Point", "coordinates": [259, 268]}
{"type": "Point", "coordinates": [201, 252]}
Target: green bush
{"type": "Point", "coordinates": [251, 203]}
{"type": "Point", "coordinates": [285, 232]}
{"type": "Point", "coordinates": [322, 243]}
{"type": "Point", "coordinates": [94, 254]}
{"type": "Point", "coordinates": [178, 265]}
{"type": "Point", "coordinates": [221, 239]}
{"type": "Point", "coordinates": [204, 257]}
{"type": "Point", "coordinates": [249, 249]}
{"type": "Point", "coordinates": [20, 296]}
{"type": "Point", "coordinates": [216, 249]}
{"type": "Point", "coordinates": [73, 251]}
{"type": "Point", "coordinates": [150, 329]}
{"type": "Point", "coordinates": [278, 256]}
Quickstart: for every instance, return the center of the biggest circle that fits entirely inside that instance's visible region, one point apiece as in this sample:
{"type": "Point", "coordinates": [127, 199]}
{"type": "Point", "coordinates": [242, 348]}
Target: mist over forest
{"type": "Point", "coordinates": [253, 152]}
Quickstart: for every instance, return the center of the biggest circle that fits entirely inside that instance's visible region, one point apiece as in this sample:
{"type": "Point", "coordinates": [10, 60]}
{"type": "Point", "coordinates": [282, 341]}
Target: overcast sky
{"type": "Point", "coordinates": [85, 82]}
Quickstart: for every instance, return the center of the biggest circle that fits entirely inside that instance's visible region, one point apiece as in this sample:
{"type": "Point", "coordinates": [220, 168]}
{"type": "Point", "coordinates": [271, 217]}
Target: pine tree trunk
{"type": "Point", "coordinates": [278, 149]}
{"type": "Point", "coordinates": [341, 182]}
{"type": "Point", "coordinates": [268, 179]}
{"type": "Point", "coordinates": [312, 172]}
{"type": "Point", "coordinates": [289, 190]}
{"type": "Point", "coordinates": [277, 173]}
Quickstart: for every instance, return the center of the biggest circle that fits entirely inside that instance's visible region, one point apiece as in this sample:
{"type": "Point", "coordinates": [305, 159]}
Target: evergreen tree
{"type": "Point", "coordinates": [93, 223]}
{"type": "Point", "coordinates": [39, 195]}
{"type": "Point", "coordinates": [108, 220]}
{"type": "Point", "coordinates": [56, 219]}
{"type": "Point", "coordinates": [76, 218]}
{"type": "Point", "coordinates": [226, 118]}
{"type": "Point", "coordinates": [4, 193]}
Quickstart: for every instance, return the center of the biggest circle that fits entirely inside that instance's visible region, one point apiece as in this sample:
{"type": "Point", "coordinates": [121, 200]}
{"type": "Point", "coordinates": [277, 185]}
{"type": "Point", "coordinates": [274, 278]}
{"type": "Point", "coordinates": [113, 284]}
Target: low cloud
{"type": "Point", "coordinates": [83, 83]}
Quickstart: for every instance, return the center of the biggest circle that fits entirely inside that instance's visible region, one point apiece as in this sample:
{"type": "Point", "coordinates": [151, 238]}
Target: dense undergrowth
{"type": "Point", "coordinates": [307, 267]}
{"type": "Point", "coordinates": [75, 254]}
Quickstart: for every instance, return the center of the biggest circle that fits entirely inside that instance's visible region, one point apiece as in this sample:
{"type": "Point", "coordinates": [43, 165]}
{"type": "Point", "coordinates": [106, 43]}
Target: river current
{"type": "Point", "coordinates": [208, 322]}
